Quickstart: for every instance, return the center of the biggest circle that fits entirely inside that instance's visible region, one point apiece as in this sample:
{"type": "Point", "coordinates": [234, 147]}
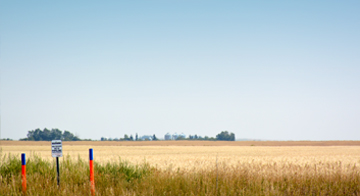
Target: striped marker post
{"type": "Point", "coordinates": [92, 180]}
{"type": "Point", "coordinates": [23, 173]}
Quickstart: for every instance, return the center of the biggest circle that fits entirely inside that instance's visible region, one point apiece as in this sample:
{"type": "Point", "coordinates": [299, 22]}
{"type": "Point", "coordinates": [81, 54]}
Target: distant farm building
{"type": "Point", "coordinates": [167, 136]}
{"type": "Point", "coordinates": [174, 136]}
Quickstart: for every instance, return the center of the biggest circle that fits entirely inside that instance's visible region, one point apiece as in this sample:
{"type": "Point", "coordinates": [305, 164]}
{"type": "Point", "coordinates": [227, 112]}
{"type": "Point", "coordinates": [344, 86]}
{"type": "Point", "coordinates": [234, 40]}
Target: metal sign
{"type": "Point", "coordinates": [56, 148]}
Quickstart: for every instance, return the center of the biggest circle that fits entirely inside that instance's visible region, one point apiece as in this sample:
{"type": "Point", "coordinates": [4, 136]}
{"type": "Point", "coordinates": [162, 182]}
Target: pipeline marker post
{"type": "Point", "coordinates": [92, 180]}
{"type": "Point", "coordinates": [23, 172]}
{"type": "Point", "coordinates": [56, 151]}
{"type": "Point", "coordinates": [58, 171]}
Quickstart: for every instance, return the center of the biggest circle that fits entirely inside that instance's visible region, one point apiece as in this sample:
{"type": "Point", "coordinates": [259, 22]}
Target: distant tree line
{"type": "Point", "coordinates": [6, 139]}
{"type": "Point", "coordinates": [131, 138]}
{"type": "Point", "coordinates": [223, 136]}
{"type": "Point", "coordinates": [48, 135]}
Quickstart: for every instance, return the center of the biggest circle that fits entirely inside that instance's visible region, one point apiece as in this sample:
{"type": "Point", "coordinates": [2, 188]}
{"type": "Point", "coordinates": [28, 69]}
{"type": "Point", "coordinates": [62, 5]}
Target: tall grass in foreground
{"type": "Point", "coordinates": [121, 178]}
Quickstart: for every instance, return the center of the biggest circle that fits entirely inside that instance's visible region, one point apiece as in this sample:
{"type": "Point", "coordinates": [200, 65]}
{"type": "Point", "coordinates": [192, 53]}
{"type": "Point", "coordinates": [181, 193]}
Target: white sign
{"type": "Point", "coordinates": [56, 148]}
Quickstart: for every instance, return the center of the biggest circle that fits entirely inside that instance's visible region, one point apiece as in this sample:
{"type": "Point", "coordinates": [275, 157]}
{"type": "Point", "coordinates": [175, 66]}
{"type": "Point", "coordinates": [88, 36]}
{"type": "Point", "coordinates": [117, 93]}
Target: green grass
{"type": "Point", "coordinates": [122, 178]}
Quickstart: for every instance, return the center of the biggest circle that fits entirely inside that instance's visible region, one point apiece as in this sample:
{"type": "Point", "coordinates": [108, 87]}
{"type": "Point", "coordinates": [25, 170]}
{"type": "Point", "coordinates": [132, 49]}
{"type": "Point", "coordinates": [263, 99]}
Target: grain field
{"type": "Point", "coordinates": [202, 169]}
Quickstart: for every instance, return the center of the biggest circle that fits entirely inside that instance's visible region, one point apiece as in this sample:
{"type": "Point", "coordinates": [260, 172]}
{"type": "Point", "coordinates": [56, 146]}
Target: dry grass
{"type": "Point", "coordinates": [202, 157]}
{"type": "Point", "coordinates": [192, 169]}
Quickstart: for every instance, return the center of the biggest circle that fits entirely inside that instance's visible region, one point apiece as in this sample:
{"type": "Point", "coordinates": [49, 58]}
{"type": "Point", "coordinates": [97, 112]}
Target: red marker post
{"type": "Point", "coordinates": [23, 173]}
{"type": "Point", "coordinates": [92, 180]}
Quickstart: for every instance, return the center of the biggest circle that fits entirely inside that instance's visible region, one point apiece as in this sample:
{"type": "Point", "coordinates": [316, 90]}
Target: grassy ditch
{"type": "Point", "coordinates": [122, 178]}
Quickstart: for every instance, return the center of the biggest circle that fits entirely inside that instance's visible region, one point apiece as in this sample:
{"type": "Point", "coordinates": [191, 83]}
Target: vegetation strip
{"type": "Point", "coordinates": [121, 178]}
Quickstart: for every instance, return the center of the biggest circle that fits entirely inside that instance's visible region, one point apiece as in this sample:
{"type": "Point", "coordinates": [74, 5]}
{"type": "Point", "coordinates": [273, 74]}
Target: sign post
{"type": "Point", "coordinates": [56, 151]}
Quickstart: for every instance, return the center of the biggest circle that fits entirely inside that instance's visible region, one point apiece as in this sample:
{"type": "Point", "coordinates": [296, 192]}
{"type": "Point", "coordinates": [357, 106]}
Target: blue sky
{"type": "Point", "coordinates": [272, 70]}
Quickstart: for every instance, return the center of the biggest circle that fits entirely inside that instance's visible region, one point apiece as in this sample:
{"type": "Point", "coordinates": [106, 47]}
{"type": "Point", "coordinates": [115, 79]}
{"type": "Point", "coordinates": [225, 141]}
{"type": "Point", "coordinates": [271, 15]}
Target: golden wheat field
{"type": "Point", "coordinates": [187, 168]}
{"type": "Point", "coordinates": [202, 155]}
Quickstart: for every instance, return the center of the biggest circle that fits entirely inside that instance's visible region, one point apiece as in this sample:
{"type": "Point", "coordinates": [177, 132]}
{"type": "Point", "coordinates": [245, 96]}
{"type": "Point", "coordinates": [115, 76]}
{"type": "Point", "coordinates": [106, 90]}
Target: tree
{"type": "Point", "coordinates": [67, 136]}
{"type": "Point", "coordinates": [45, 135]}
{"type": "Point", "coordinates": [154, 137]}
{"type": "Point", "coordinates": [131, 138]}
{"type": "Point", "coordinates": [232, 137]}
{"type": "Point", "coordinates": [55, 134]}
{"type": "Point", "coordinates": [35, 135]}
{"type": "Point", "coordinates": [180, 137]}
{"type": "Point", "coordinates": [136, 137]}
{"type": "Point", "coordinates": [225, 136]}
{"type": "Point", "coordinates": [48, 135]}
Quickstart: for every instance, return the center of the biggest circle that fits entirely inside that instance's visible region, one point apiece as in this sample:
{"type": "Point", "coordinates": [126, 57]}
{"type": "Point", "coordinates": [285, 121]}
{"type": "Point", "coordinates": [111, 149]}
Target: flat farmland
{"type": "Point", "coordinates": [189, 155]}
{"type": "Point", "coordinates": [186, 168]}
{"type": "Point", "coordinates": [185, 143]}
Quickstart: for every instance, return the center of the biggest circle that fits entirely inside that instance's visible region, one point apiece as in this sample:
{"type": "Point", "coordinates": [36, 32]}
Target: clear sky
{"type": "Point", "coordinates": [271, 70]}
